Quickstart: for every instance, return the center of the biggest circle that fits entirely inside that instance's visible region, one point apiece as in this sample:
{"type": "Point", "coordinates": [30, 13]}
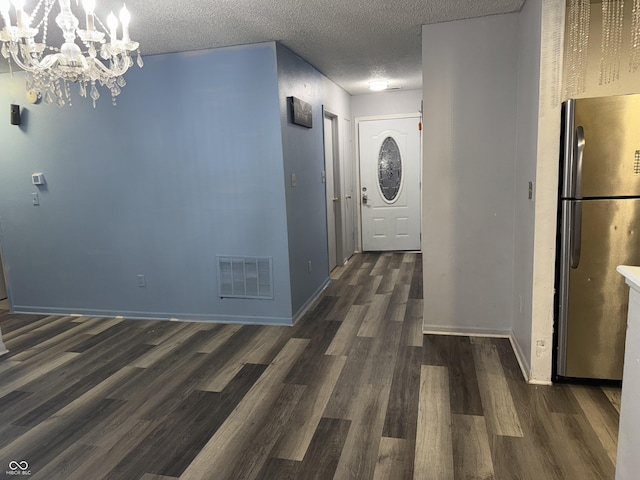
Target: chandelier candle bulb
{"type": "Point", "coordinates": [125, 18]}
{"type": "Point", "coordinates": [19, 5]}
{"type": "Point", "coordinates": [89, 7]}
{"type": "Point", "coordinates": [4, 10]}
{"type": "Point", "coordinates": [112, 22]}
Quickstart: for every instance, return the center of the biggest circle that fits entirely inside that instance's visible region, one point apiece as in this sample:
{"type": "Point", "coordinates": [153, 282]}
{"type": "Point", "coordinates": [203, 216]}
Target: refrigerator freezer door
{"type": "Point", "coordinates": [593, 316]}
{"type": "Point", "coordinates": [611, 161]}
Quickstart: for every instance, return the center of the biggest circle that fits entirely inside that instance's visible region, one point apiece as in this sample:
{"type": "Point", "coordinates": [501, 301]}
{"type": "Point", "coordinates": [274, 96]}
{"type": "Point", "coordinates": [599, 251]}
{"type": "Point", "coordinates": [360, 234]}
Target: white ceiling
{"type": "Point", "coordinates": [349, 41]}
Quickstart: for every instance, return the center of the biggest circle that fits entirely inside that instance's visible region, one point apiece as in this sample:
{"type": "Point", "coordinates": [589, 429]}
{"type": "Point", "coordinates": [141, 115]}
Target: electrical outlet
{"type": "Point", "coordinates": [141, 281]}
{"type": "Point", "coordinates": [294, 180]}
{"type": "Point", "coordinates": [309, 266]}
{"type": "Point", "coordinates": [530, 190]}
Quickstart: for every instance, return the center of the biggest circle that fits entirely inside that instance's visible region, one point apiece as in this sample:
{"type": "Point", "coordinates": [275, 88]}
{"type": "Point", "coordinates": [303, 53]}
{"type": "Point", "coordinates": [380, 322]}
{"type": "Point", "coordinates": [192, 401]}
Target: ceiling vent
{"type": "Point", "coordinates": [245, 277]}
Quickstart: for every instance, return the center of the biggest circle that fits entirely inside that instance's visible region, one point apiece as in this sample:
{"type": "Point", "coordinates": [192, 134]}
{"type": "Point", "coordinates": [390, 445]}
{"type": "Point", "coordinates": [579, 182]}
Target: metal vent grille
{"type": "Point", "coordinates": [245, 277]}
{"type": "Point", "coordinates": [636, 163]}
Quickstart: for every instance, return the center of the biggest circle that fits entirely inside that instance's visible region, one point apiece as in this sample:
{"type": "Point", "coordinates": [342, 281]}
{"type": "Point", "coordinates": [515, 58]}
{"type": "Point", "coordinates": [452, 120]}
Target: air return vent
{"type": "Point", "coordinates": [245, 277]}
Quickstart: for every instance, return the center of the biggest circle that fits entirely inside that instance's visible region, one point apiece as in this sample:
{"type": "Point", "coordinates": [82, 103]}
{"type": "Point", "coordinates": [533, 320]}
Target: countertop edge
{"type": "Point", "coordinates": [631, 274]}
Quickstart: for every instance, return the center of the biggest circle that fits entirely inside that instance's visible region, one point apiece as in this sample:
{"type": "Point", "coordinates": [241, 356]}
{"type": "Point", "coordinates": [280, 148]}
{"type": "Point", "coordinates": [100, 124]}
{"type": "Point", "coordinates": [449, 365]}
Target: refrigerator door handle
{"type": "Point", "coordinates": [576, 234]}
{"type": "Point", "coordinates": [579, 155]}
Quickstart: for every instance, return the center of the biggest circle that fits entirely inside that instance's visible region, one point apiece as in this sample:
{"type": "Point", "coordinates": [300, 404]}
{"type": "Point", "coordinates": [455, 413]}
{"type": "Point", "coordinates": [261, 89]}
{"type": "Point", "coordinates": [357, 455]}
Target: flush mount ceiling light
{"type": "Point", "coordinates": [378, 85]}
{"type": "Point", "coordinates": [51, 68]}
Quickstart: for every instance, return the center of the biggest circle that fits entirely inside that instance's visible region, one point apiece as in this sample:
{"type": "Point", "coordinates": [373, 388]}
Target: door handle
{"type": "Point", "coordinates": [348, 196]}
{"type": "Point", "coordinates": [579, 155]}
{"type": "Point", "coordinates": [335, 199]}
{"type": "Point", "coordinates": [576, 234]}
{"type": "Point", "coordinates": [364, 198]}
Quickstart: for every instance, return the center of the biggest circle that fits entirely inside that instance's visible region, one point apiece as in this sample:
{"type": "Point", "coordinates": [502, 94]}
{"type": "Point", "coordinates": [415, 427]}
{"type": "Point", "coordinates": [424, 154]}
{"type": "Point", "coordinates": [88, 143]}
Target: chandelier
{"type": "Point", "coordinates": [49, 69]}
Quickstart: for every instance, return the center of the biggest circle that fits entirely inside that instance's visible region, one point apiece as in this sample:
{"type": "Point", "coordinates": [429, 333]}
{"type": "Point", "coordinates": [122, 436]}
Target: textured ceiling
{"type": "Point", "coordinates": [349, 41]}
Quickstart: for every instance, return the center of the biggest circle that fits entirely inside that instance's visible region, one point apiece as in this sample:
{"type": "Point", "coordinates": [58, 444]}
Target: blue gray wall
{"type": "Point", "coordinates": [188, 166]}
{"type": "Point", "coordinates": [303, 150]}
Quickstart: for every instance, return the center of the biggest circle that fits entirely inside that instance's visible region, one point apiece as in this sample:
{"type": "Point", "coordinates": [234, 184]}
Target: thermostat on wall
{"type": "Point", "coordinates": [37, 179]}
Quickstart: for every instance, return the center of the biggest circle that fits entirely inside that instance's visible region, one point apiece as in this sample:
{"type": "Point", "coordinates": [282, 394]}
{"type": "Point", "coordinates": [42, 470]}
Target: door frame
{"type": "Point", "coordinates": [416, 115]}
{"type": "Point", "coordinates": [4, 276]}
{"type": "Point", "coordinates": [336, 180]}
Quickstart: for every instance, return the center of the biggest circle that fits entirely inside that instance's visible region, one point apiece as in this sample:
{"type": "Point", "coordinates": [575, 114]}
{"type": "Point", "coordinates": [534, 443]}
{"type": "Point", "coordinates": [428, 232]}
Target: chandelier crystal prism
{"type": "Point", "coordinates": [90, 61]}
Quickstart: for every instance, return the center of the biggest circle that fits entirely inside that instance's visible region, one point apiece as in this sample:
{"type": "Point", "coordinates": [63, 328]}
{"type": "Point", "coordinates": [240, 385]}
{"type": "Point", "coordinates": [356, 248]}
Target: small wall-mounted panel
{"type": "Point", "coordinates": [15, 114]}
{"type": "Point", "coordinates": [37, 179]}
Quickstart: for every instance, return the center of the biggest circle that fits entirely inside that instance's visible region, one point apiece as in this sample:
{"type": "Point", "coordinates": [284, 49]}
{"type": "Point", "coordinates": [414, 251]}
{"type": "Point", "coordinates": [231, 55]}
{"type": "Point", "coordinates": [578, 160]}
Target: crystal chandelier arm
{"type": "Point", "coordinates": [14, 48]}
{"type": "Point", "coordinates": [29, 63]}
{"type": "Point", "coordinates": [121, 60]}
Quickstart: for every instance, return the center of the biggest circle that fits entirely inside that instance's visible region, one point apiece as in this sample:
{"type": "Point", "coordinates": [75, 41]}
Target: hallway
{"type": "Point", "coordinates": [353, 391]}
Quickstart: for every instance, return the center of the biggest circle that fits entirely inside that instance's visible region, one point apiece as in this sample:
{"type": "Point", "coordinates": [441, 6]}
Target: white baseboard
{"type": "Point", "coordinates": [465, 331]}
{"type": "Point", "coordinates": [3, 349]}
{"type": "Point", "coordinates": [311, 302]}
{"type": "Point", "coordinates": [178, 316]}
{"type": "Point", "coordinates": [174, 316]}
{"type": "Point", "coordinates": [522, 361]}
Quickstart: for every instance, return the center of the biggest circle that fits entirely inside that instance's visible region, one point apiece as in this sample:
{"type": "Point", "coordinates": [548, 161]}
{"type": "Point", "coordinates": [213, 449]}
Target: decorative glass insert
{"type": "Point", "coordinates": [389, 169]}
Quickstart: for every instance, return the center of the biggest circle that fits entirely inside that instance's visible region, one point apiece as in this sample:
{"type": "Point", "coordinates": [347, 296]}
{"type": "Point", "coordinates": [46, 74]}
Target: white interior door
{"type": "Point", "coordinates": [330, 192]}
{"type": "Point", "coordinates": [390, 184]}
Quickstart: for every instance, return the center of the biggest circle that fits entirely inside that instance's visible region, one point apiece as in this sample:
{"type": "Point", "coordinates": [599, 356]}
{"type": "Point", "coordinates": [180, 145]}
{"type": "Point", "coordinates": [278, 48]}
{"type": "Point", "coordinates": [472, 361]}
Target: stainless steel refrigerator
{"type": "Point", "coordinates": [598, 229]}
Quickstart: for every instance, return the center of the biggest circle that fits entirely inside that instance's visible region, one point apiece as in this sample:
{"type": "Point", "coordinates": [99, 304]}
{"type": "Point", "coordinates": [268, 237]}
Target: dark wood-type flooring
{"type": "Point", "coordinates": [354, 391]}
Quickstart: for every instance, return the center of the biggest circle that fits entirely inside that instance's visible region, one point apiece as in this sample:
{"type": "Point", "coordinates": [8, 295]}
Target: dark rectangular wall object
{"type": "Point", "coordinates": [15, 114]}
{"type": "Point", "coordinates": [301, 112]}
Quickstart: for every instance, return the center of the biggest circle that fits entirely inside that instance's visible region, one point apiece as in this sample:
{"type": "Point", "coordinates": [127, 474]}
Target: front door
{"type": "Point", "coordinates": [390, 184]}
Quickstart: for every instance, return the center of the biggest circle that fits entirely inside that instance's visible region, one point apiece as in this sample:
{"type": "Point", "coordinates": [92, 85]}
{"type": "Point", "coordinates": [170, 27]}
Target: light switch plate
{"type": "Point", "coordinates": [294, 180]}
{"type": "Point", "coordinates": [35, 199]}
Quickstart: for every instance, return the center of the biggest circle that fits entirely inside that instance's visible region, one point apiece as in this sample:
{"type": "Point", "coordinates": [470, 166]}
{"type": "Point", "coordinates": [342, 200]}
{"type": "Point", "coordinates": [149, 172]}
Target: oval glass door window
{"type": "Point", "coordinates": [389, 169]}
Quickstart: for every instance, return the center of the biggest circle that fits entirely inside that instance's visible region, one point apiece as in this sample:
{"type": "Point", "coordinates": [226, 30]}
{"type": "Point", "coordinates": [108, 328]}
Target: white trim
{"type": "Point", "coordinates": [539, 382]}
{"type": "Point", "coordinates": [175, 316]}
{"type": "Point", "coordinates": [3, 349]}
{"type": "Point", "coordinates": [465, 331]}
{"type": "Point", "coordinates": [521, 358]}
{"type": "Point", "coordinates": [394, 116]}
